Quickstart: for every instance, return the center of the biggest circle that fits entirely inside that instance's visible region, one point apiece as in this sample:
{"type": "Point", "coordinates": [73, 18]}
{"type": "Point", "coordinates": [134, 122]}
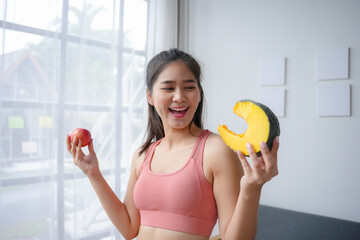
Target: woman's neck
{"type": "Point", "coordinates": [178, 137]}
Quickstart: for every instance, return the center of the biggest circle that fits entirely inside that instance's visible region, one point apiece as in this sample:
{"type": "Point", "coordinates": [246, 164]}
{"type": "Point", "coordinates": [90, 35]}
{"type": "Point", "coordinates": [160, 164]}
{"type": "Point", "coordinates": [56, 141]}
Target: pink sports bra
{"type": "Point", "coordinates": [180, 201]}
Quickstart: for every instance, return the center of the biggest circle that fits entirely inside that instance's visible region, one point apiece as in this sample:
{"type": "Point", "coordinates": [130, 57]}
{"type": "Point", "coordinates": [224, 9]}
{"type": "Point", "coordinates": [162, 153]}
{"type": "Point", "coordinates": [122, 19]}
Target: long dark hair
{"type": "Point", "coordinates": [157, 64]}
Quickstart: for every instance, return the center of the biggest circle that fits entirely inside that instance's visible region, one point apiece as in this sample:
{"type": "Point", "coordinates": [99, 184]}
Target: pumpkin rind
{"type": "Point", "coordinates": [263, 125]}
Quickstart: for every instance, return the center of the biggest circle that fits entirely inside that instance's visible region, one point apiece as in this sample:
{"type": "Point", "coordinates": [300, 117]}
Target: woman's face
{"type": "Point", "coordinates": [175, 95]}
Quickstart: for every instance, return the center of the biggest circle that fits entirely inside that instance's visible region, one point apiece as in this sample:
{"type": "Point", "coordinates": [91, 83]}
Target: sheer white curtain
{"type": "Point", "coordinates": [67, 64]}
{"type": "Point", "coordinates": [163, 26]}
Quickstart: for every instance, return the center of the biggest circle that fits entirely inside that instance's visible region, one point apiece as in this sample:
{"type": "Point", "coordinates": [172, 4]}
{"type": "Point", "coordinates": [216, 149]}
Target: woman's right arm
{"type": "Point", "coordinates": [124, 215]}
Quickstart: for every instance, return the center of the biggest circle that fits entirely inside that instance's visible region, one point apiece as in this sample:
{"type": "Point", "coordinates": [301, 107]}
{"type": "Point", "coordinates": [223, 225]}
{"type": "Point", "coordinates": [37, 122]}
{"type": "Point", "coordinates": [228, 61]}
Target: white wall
{"type": "Point", "coordinates": [319, 157]}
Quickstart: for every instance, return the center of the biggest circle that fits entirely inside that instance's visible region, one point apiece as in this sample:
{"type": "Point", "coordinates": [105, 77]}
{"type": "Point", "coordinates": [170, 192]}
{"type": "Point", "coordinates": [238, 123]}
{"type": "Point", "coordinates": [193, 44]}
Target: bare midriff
{"type": "Point", "coordinates": [152, 233]}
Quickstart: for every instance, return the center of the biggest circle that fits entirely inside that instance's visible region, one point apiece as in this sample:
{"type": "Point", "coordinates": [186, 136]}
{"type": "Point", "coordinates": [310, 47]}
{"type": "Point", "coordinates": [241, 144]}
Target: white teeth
{"type": "Point", "coordinates": [178, 110]}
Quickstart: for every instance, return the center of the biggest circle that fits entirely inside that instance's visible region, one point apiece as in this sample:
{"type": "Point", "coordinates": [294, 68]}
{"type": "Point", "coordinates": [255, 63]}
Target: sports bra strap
{"type": "Point", "coordinates": [199, 151]}
{"type": "Point", "coordinates": [147, 158]}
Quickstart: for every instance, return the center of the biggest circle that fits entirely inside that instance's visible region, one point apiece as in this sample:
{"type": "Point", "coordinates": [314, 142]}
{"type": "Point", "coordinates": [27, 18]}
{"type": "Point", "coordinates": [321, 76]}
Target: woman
{"type": "Point", "coordinates": [183, 178]}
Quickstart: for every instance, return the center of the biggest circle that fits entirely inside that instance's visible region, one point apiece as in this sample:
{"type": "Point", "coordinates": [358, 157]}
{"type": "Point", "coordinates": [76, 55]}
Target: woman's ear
{"type": "Point", "coordinates": [149, 98]}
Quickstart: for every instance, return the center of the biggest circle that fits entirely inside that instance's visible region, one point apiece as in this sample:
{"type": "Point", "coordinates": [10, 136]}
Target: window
{"type": "Point", "coordinates": [67, 64]}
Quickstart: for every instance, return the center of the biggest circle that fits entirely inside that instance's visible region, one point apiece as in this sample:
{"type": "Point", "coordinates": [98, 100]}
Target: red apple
{"type": "Point", "coordinates": [83, 134]}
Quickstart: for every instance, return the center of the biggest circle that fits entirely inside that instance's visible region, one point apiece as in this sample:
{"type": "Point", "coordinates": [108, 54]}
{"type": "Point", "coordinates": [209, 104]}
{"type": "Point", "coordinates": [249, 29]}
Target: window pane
{"type": "Point", "coordinates": [93, 19]}
{"type": "Point", "coordinates": [38, 87]}
{"type": "Point", "coordinates": [90, 75]}
{"type": "Point", "coordinates": [43, 14]}
{"type": "Point", "coordinates": [28, 211]}
{"type": "Point", "coordinates": [28, 143]}
{"type": "Point", "coordinates": [30, 67]}
{"type": "Point", "coordinates": [16, 41]}
{"type": "Point", "coordinates": [133, 81]}
{"type": "Point", "coordinates": [135, 24]}
{"type": "Point", "coordinates": [133, 124]}
{"type": "Point", "coordinates": [84, 215]}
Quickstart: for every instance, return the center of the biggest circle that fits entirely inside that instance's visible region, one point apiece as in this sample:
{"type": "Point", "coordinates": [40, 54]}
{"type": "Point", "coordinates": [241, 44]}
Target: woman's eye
{"type": "Point", "coordinates": [167, 89]}
{"type": "Point", "coordinates": [190, 87]}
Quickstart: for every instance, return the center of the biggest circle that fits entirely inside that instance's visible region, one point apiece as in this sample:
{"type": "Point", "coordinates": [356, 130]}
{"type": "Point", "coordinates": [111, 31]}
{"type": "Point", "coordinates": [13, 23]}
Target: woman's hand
{"type": "Point", "coordinates": [263, 168]}
{"type": "Point", "coordinates": [87, 163]}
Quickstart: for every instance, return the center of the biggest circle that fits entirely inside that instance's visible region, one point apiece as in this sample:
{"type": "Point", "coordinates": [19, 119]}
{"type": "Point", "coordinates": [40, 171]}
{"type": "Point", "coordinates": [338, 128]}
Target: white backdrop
{"type": "Point", "coordinates": [318, 159]}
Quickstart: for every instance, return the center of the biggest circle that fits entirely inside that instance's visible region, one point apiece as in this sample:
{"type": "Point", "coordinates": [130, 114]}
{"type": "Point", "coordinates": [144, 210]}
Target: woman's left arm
{"type": "Point", "coordinates": [238, 210]}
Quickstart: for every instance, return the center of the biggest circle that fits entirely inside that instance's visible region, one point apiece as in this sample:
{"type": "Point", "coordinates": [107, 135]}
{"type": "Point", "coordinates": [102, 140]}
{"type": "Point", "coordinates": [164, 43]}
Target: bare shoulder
{"type": "Point", "coordinates": [215, 147]}
{"type": "Point", "coordinates": [137, 160]}
{"type": "Point", "coordinates": [217, 144]}
{"type": "Point", "coordinates": [218, 155]}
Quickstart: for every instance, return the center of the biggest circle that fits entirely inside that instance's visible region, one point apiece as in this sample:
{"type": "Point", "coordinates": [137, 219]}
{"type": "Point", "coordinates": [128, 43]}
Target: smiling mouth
{"type": "Point", "coordinates": [178, 112]}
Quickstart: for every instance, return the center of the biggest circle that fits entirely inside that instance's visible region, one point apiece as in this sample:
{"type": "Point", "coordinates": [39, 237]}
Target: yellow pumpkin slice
{"type": "Point", "coordinates": [263, 125]}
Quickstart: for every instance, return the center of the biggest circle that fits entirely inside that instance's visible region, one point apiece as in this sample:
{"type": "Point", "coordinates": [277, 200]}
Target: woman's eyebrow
{"type": "Point", "coordinates": [173, 81]}
{"type": "Point", "coordinates": [190, 81]}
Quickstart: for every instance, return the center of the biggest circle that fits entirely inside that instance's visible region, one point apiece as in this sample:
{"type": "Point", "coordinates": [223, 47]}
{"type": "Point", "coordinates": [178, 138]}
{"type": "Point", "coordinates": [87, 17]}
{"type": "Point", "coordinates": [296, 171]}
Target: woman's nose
{"type": "Point", "coordinates": [178, 95]}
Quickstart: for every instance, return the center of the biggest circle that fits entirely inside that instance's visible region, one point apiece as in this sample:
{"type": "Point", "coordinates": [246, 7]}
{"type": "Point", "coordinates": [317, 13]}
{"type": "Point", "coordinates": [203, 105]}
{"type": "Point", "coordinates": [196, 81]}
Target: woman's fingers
{"type": "Point", "coordinates": [268, 159]}
{"type": "Point", "coordinates": [254, 158]}
{"type": "Point", "coordinates": [264, 149]}
{"type": "Point", "coordinates": [274, 151]}
{"type": "Point", "coordinates": [73, 146]}
{"type": "Point", "coordinates": [263, 168]}
{"type": "Point", "coordinates": [79, 154]}
{"type": "Point", "coordinates": [244, 162]}
{"type": "Point", "coordinates": [275, 146]}
{"type": "Point", "coordinates": [91, 147]}
{"type": "Point", "coordinates": [75, 150]}
{"type": "Point", "coordinates": [68, 144]}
